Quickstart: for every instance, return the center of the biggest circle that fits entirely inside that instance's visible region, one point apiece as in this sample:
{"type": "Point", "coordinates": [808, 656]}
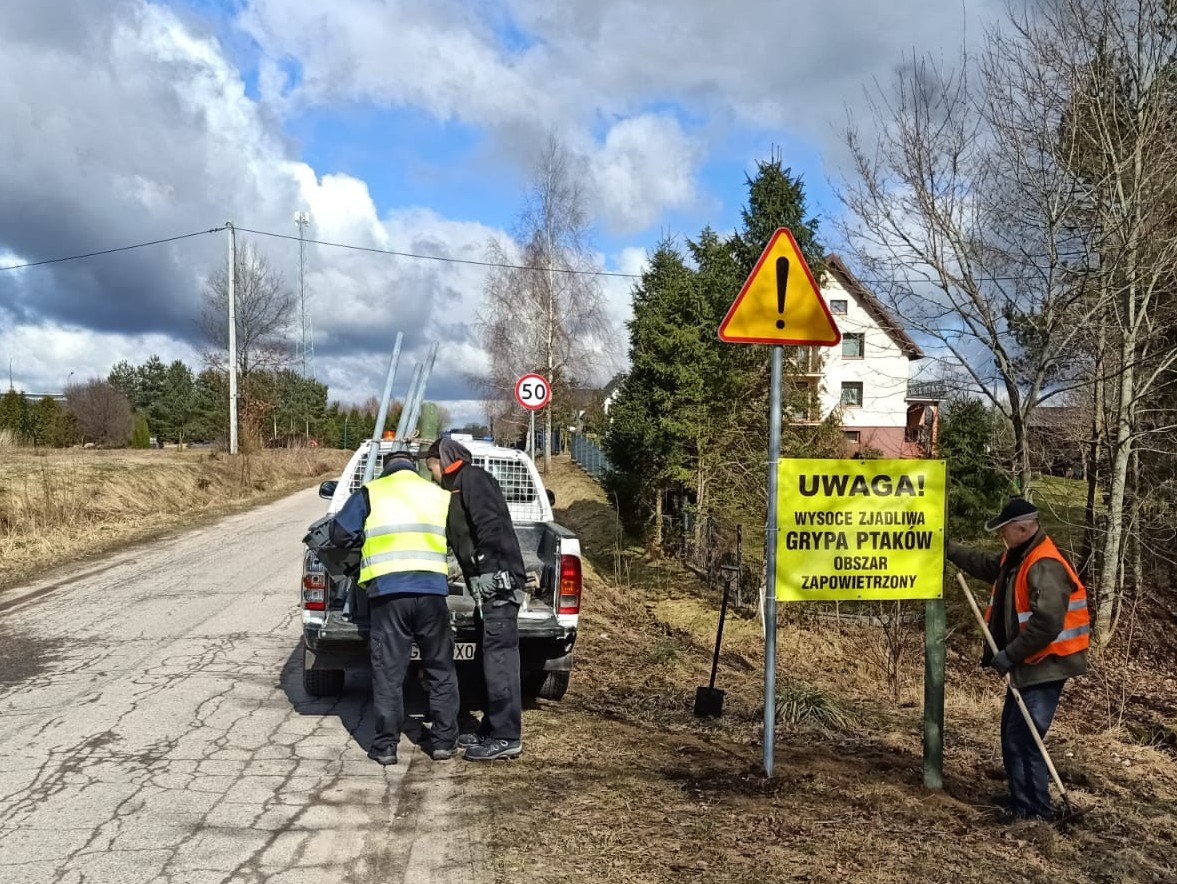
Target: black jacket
{"type": "Point", "coordinates": [479, 527]}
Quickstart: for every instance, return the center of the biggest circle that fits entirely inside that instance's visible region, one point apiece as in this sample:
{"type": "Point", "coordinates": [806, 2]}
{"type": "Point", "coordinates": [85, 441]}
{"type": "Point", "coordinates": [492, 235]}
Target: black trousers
{"type": "Point", "coordinates": [396, 621]}
{"type": "Point", "coordinates": [500, 667]}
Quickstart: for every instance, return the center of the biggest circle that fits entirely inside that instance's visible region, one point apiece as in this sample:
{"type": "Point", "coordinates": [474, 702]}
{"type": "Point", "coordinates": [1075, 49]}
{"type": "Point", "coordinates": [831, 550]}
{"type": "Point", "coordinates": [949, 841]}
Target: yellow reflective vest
{"type": "Point", "coordinates": [405, 529]}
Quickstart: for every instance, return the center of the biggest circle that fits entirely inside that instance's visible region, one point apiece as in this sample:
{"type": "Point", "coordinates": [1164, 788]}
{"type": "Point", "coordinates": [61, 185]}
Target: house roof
{"type": "Point", "coordinates": [1055, 417]}
{"type": "Point", "coordinates": [873, 306]}
{"type": "Point", "coordinates": [581, 397]}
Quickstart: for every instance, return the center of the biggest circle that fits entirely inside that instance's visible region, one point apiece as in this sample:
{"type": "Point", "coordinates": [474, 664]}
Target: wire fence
{"type": "Point", "coordinates": [710, 547]}
{"type": "Point", "coordinates": [589, 455]}
{"type": "Point", "coordinates": [715, 550]}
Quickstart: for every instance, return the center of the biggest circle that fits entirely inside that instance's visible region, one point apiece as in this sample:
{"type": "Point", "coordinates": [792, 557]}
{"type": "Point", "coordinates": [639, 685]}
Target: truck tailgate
{"type": "Point", "coordinates": [536, 618]}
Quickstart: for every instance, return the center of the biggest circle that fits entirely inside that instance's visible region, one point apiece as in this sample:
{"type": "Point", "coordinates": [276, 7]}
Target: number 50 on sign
{"type": "Point", "coordinates": [532, 391]}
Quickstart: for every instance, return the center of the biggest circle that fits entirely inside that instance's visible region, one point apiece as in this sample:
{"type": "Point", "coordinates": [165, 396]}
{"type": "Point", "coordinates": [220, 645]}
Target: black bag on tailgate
{"type": "Point", "coordinates": [338, 561]}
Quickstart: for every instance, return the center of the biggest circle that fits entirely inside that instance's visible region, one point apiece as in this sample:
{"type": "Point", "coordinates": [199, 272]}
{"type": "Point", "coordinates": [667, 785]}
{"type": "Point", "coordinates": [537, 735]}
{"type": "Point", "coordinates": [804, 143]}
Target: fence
{"type": "Point", "coordinates": [589, 456]}
{"type": "Point", "coordinates": [717, 552]}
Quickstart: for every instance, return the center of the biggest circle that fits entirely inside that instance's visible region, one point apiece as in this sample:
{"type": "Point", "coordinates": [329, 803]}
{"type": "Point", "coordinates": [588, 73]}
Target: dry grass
{"type": "Point", "coordinates": [58, 506]}
{"type": "Point", "coordinates": [621, 783]}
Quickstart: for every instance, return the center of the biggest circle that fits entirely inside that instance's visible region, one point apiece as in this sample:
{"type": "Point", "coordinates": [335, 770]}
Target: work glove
{"type": "Point", "coordinates": [1002, 663]}
{"type": "Point", "coordinates": [482, 587]}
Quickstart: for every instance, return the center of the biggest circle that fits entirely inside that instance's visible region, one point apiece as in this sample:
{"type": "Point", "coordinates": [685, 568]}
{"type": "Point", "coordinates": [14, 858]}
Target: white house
{"type": "Point", "coordinates": [868, 374]}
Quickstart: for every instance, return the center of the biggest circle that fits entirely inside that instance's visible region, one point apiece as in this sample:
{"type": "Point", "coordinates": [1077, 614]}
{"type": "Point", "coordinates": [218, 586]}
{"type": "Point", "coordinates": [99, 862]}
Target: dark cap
{"type": "Point", "coordinates": [1017, 510]}
{"type": "Point", "coordinates": [401, 454]}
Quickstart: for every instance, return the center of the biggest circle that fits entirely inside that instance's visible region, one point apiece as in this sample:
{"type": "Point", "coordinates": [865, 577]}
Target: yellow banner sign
{"type": "Point", "coordinates": [851, 530]}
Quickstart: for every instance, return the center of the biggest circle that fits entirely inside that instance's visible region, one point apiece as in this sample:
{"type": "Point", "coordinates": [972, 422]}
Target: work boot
{"type": "Point", "coordinates": [492, 748]}
{"type": "Point", "coordinates": [443, 752]}
{"type": "Point", "coordinates": [383, 757]}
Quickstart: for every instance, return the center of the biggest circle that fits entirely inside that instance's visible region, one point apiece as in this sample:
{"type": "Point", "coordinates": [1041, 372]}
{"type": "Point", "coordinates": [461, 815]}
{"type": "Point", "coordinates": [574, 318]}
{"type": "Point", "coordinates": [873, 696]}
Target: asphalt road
{"type": "Point", "coordinates": [153, 727]}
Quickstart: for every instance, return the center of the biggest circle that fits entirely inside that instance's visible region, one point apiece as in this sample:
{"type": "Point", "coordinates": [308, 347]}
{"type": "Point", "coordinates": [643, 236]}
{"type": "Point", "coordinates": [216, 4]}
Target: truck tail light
{"type": "Point", "coordinates": [314, 591]}
{"type": "Point", "coordinates": [568, 601]}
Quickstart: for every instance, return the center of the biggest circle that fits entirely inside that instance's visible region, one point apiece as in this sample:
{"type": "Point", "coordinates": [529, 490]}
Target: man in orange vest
{"type": "Point", "coordinates": [1038, 616]}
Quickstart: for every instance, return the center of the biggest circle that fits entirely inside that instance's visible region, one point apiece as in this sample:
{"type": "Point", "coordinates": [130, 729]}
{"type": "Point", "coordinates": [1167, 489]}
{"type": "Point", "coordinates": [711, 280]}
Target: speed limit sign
{"type": "Point", "coordinates": [532, 392]}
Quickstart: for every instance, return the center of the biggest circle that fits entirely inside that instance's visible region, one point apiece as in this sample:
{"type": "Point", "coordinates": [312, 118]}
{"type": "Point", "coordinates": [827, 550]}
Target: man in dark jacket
{"type": "Point", "coordinates": [1038, 617]}
{"type": "Point", "coordinates": [400, 521]}
{"type": "Point", "coordinates": [483, 539]}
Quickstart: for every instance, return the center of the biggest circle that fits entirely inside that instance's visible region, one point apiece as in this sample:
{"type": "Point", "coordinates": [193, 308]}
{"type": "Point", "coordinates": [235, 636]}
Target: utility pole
{"type": "Point", "coordinates": [232, 338]}
{"type": "Point", "coordinates": [302, 219]}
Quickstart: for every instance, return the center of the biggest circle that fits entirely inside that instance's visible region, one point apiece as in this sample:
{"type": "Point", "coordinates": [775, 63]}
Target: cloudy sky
{"type": "Point", "coordinates": [406, 125]}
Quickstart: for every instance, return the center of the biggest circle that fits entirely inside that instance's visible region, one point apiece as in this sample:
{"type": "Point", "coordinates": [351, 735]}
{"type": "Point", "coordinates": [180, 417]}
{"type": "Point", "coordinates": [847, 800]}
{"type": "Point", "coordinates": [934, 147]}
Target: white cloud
{"type": "Point", "coordinates": [47, 357]}
{"type": "Point", "coordinates": [646, 166]}
{"type": "Point", "coordinates": [438, 54]}
{"type": "Point", "coordinates": [126, 123]}
{"type": "Point", "coordinates": [569, 65]}
{"type": "Point", "coordinates": [144, 129]}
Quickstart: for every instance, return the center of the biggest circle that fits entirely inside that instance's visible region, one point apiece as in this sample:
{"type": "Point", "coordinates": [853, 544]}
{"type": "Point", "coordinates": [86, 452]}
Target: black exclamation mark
{"type": "Point", "coordinates": [920, 480]}
{"type": "Point", "coordinates": [782, 283]}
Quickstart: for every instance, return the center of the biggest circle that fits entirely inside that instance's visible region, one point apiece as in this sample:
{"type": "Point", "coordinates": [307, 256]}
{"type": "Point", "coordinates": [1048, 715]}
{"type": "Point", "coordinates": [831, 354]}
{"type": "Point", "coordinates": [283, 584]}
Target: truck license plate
{"type": "Point", "coordinates": [462, 651]}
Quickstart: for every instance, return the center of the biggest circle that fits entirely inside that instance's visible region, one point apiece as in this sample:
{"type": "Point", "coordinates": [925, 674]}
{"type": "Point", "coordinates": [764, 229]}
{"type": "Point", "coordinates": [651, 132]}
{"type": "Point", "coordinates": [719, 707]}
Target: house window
{"type": "Point", "coordinates": [852, 394]}
{"type": "Point", "coordinates": [852, 345]}
{"type": "Point", "coordinates": [853, 436]}
{"type": "Point", "coordinates": [838, 306]}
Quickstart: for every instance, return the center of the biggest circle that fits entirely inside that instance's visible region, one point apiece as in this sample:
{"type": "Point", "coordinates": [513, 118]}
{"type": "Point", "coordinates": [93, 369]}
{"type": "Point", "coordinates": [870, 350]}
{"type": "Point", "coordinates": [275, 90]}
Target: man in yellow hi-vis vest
{"type": "Point", "coordinates": [400, 521]}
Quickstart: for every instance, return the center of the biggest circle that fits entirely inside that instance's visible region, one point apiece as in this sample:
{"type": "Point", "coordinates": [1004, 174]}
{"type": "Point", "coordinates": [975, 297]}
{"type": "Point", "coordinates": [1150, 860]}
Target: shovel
{"type": "Point", "coordinates": [709, 700]}
{"type": "Point", "coordinates": [1073, 811]}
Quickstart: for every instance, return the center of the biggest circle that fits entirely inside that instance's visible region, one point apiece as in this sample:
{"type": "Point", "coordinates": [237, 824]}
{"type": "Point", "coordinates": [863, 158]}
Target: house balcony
{"type": "Point", "coordinates": [927, 391]}
{"type": "Point", "coordinates": [804, 362]}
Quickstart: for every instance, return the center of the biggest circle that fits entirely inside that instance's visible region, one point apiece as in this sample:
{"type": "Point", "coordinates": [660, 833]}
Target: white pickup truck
{"type": "Point", "coordinates": [335, 610]}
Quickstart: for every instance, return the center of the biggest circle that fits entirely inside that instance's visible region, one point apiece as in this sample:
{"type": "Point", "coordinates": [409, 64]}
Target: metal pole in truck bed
{"type": "Point", "coordinates": [382, 413]}
{"type": "Point", "coordinates": [419, 399]}
{"type": "Point", "coordinates": [404, 418]}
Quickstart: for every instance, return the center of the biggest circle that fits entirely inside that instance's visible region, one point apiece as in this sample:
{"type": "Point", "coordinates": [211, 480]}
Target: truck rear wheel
{"type": "Point", "coordinates": [320, 682]}
{"type": "Point", "coordinates": [323, 682]}
{"type": "Point", "coordinates": [545, 685]}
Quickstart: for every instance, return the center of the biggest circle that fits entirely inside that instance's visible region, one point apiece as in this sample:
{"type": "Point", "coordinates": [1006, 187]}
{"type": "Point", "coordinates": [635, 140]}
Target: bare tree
{"type": "Point", "coordinates": [1031, 198]}
{"type": "Point", "coordinates": [103, 414]}
{"type": "Point", "coordinates": [1123, 64]}
{"type": "Point", "coordinates": [546, 312]}
{"type": "Point", "coordinates": [264, 312]}
{"type": "Point", "coordinates": [963, 202]}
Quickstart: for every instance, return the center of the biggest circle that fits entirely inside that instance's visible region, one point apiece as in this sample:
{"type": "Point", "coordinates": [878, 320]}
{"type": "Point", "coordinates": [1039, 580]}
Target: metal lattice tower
{"type": "Point", "coordinates": [307, 341]}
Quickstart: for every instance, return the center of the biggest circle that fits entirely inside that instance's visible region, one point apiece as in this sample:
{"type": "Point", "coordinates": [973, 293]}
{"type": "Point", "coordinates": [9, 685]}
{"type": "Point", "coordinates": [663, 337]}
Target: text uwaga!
{"type": "Point", "coordinates": [845, 485]}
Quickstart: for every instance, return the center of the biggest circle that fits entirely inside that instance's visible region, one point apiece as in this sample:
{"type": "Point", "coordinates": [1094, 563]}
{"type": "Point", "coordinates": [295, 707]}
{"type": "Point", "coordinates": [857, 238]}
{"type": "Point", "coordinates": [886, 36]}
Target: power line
{"type": "Point", "coordinates": [138, 245]}
{"type": "Point", "coordinates": [445, 259]}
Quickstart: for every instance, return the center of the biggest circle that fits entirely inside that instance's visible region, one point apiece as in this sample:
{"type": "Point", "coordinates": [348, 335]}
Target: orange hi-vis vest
{"type": "Point", "coordinates": [1076, 632]}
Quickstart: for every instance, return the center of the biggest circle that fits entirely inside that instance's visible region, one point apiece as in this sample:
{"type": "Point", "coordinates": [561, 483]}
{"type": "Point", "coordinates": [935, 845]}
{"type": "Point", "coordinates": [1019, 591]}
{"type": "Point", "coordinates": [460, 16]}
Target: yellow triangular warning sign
{"type": "Point", "coordinates": [780, 302]}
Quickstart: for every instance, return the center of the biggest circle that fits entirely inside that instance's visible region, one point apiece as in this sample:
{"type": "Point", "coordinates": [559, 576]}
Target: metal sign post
{"type": "Point", "coordinates": [533, 392]}
{"type": "Point", "coordinates": [780, 304]}
{"type": "Point", "coordinates": [774, 456]}
{"type": "Point", "coordinates": [935, 653]}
